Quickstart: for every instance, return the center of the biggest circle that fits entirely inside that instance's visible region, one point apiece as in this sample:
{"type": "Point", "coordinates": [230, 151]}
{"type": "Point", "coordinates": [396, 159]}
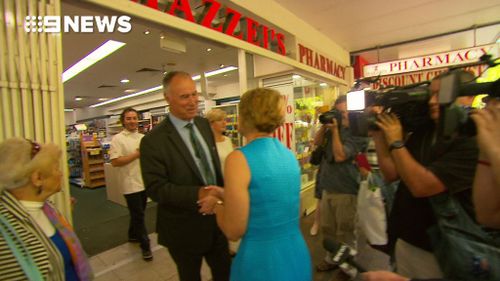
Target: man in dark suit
{"type": "Point", "coordinates": [178, 160]}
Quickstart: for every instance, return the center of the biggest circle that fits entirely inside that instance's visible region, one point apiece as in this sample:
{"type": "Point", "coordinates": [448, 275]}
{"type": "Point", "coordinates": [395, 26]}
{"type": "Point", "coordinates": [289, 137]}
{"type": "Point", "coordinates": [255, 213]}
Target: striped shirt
{"type": "Point", "coordinates": [45, 255]}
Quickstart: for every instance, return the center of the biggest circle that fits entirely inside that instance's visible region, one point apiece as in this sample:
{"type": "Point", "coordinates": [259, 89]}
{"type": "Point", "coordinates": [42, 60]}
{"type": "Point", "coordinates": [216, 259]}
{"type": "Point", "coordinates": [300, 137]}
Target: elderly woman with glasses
{"type": "Point", "coordinates": [36, 241]}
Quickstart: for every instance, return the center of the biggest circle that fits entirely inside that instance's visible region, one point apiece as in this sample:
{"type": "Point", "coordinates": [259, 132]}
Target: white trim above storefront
{"type": "Point", "coordinates": [147, 13]}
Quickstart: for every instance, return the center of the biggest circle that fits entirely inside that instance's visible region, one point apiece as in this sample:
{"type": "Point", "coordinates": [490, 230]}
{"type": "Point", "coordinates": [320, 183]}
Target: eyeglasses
{"type": "Point", "coordinates": [35, 148]}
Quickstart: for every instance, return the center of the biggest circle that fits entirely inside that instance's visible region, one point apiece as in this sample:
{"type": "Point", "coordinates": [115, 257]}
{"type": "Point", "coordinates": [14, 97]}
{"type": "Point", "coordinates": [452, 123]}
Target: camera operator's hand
{"type": "Point", "coordinates": [334, 127]}
{"type": "Point", "coordinates": [391, 126]}
{"type": "Point", "coordinates": [488, 129]}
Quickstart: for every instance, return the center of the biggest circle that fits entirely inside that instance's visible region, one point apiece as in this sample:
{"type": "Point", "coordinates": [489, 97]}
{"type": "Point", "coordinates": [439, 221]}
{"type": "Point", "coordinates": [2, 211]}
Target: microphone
{"type": "Point", "coordinates": [343, 254]}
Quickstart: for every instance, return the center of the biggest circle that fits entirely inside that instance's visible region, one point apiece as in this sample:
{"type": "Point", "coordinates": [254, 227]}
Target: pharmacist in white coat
{"type": "Point", "coordinates": [124, 154]}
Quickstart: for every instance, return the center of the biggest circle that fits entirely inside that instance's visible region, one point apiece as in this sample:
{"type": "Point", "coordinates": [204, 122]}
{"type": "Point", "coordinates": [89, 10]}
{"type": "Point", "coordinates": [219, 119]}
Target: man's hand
{"type": "Point", "coordinates": [213, 190]}
{"type": "Point", "coordinates": [488, 129]}
{"type": "Point", "coordinates": [391, 126]}
{"type": "Point", "coordinates": [207, 204]}
{"type": "Point", "coordinates": [383, 276]}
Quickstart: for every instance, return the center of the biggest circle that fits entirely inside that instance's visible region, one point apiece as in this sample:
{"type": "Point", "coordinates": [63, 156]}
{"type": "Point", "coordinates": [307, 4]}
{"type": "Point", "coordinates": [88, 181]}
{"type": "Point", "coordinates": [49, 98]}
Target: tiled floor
{"type": "Point", "coordinates": [125, 262]}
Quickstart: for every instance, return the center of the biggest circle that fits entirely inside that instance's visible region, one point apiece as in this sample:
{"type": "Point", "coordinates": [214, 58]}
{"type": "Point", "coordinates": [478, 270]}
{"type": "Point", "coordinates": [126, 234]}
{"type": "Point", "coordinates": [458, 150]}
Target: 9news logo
{"type": "Point", "coordinates": [78, 24]}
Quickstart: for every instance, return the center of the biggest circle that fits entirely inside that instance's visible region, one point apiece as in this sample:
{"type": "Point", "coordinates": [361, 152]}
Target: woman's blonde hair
{"type": "Point", "coordinates": [216, 115]}
{"type": "Point", "coordinates": [262, 109]}
{"type": "Point", "coordinates": [18, 160]}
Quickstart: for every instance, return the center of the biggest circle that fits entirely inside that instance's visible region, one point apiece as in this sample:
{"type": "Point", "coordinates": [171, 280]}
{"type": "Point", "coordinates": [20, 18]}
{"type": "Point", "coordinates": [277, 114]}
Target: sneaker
{"type": "Point", "coordinates": [147, 255]}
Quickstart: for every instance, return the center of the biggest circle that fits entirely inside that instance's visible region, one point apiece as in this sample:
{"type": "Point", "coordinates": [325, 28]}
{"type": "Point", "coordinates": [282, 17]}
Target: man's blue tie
{"type": "Point", "coordinates": [200, 154]}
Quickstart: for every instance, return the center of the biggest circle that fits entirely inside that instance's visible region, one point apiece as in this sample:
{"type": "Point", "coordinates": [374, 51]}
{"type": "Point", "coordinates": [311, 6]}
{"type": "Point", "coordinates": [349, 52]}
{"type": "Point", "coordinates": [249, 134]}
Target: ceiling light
{"type": "Point", "coordinates": [78, 98]}
{"type": "Point", "coordinates": [215, 72]}
{"type": "Point", "coordinates": [69, 110]}
{"type": "Point", "coordinates": [219, 71]}
{"type": "Point", "coordinates": [124, 81]}
{"type": "Point", "coordinates": [98, 54]}
{"type": "Point", "coordinates": [165, 73]}
{"type": "Point", "coordinates": [162, 36]}
{"type": "Point", "coordinates": [221, 65]}
{"type": "Point", "coordinates": [154, 89]}
{"type": "Point", "coordinates": [295, 76]}
{"type": "Point", "coordinates": [101, 99]}
{"type": "Point", "coordinates": [147, 91]}
{"type": "Point", "coordinates": [225, 75]}
{"type": "Point", "coordinates": [147, 32]}
{"type": "Point", "coordinates": [209, 49]}
{"type": "Point", "coordinates": [323, 84]}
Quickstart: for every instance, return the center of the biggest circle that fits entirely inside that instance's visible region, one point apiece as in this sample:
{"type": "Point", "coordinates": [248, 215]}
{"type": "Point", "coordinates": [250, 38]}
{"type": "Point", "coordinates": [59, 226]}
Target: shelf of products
{"type": "Point", "coordinates": [307, 98]}
{"type": "Point", "coordinates": [231, 122]}
{"type": "Point", "coordinates": [74, 156]}
{"type": "Point", "coordinates": [92, 161]}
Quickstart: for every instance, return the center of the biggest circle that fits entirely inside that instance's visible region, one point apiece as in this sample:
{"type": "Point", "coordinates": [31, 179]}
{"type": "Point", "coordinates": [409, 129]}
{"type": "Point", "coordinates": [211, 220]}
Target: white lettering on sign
{"type": "Point", "coordinates": [431, 61]}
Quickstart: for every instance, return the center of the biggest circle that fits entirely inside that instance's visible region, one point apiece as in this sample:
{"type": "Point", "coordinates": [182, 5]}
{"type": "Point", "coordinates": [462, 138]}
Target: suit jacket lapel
{"type": "Point", "coordinates": [179, 144]}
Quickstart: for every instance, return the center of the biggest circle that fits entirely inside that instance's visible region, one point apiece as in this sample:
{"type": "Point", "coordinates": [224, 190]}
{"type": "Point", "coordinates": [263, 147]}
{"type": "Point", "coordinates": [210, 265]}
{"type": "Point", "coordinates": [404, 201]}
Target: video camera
{"type": "Point", "coordinates": [326, 118]}
{"type": "Point", "coordinates": [410, 103]}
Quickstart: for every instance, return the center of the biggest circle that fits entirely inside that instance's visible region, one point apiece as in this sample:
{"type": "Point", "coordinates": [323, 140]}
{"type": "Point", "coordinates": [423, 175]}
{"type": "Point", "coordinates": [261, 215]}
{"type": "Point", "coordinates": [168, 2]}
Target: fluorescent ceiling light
{"type": "Point", "coordinates": [295, 76]}
{"type": "Point", "coordinates": [196, 77]}
{"type": "Point", "coordinates": [215, 72]}
{"type": "Point", "coordinates": [78, 98]}
{"type": "Point", "coordinates": [124, 81]}
{"type": "Point", "coordinates": [69, 110]}
{"type": "Point", "coordinates": [98, 54]}
{"type": "Point", "coordinates": [323, 84]}
{"type": "Point", "coordinates": [128, 96]}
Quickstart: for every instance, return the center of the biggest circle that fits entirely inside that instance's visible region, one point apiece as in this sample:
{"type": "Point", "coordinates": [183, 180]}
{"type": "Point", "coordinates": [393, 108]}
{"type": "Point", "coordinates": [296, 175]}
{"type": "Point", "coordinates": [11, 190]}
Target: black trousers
{"type": "Point", "coordinates": [136, 203]}
{"type": "Point", "coordinates": [189, 263]}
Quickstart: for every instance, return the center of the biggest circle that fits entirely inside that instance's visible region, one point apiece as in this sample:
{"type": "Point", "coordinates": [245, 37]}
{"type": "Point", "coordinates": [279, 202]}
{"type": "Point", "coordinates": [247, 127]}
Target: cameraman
{"type": "Point", "coordinates": [427, 166]}
{"type": "Point", "coordinates": [338, 178]}
{"type": "Point", "coordinates": [486, 188]}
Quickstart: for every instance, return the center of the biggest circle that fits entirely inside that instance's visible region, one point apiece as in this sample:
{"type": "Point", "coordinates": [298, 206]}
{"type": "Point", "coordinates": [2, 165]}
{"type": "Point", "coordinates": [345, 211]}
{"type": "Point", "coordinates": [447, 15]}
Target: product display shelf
{"type": "Point", "coordinates": [74, 157]}
{"type": "Point", "coordinates": [92, 161]}
{"type": "Point", "coordinates": [305, 129]}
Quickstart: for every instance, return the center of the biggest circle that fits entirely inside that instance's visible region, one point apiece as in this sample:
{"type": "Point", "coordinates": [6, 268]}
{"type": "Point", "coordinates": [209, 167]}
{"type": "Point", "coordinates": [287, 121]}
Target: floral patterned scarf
{"type": "Point", "coordinates": [82, 266]}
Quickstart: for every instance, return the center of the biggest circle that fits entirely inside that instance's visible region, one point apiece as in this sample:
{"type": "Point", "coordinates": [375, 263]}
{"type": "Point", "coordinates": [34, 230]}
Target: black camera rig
{"type": "Point", "coordinates": [410, 103]}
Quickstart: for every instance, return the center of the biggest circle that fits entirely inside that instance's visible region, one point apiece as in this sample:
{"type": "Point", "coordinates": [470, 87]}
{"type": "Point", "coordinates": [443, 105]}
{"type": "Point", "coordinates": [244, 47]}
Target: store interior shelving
{"type": "Point", "coordinates": [92, 161]}
{"type": "Point", "coordinates": [306, 101]}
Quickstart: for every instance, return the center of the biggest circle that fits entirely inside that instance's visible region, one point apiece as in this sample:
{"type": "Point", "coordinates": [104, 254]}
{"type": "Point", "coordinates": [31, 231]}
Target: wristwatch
{"type": "Point", "coordinates": [396, 145]}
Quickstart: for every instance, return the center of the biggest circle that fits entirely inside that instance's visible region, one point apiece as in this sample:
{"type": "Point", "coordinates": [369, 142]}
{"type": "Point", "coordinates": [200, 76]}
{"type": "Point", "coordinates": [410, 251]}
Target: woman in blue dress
{"type": "Point", "coordinates": [261, 197]}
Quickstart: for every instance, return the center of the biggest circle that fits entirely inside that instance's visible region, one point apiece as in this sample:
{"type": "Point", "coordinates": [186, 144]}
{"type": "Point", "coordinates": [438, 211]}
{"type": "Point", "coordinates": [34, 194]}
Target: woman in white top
{"type": "Point", "coordinates": [217, 119]}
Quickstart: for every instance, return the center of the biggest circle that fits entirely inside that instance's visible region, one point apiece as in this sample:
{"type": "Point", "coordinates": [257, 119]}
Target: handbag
{"type": "Point", "coordinates": [464, 250]}
{"type": "Point", "coordinates": [371, 211]}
